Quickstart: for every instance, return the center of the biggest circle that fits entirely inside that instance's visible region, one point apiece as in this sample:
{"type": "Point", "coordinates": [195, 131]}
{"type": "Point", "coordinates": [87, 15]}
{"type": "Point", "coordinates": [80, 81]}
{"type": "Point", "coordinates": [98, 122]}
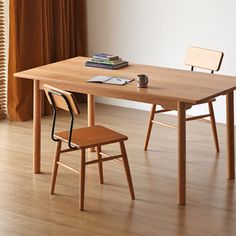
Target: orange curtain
{"type": "Point", "coordinates": [41, 32]}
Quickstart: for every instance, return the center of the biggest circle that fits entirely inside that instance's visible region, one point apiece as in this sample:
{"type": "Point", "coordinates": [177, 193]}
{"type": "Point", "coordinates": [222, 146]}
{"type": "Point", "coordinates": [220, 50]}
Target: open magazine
{"type": "Point", "coordinates": [116, 80]}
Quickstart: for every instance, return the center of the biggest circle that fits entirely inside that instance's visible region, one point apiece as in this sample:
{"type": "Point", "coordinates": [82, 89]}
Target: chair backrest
{"type": "Point", "coordinates": [65, 100]}
{"type": "Point", "coordinates": [204, 58]}
{"type": "Point", "coordinates": [61, 99]}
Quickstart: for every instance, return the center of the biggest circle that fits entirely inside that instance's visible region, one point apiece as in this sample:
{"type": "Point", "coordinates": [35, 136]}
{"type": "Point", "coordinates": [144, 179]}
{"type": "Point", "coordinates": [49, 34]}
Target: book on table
{"type": "Point", "coordinates": [105, 56]}
{"type": "Point", "coordinates": [116, 80]}
{"type": "Point", "coordinates": [106, 65]}
{"type": "Point", "coordinates": [107, 61]}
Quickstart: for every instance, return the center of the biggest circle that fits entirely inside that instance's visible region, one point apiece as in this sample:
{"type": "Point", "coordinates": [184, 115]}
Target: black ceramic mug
{"type": "Point", "coordinates": [142, 81]}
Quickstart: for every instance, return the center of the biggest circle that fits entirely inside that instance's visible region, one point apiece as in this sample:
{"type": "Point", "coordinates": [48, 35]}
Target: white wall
{"type": "Point", "coordinates": [158, 32]}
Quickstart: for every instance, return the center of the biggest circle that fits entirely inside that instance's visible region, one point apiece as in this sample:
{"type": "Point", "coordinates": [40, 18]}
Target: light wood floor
{"type": "Point", "coordinates": [27, 209]}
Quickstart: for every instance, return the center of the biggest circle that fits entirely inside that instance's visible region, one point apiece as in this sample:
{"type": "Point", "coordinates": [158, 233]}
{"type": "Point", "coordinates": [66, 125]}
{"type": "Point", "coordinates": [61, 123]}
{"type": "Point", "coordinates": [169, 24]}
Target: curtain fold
{"type": "Point", "coordinates": [41, 32]}
{"type": "Point", "coordinates": [3, 93]}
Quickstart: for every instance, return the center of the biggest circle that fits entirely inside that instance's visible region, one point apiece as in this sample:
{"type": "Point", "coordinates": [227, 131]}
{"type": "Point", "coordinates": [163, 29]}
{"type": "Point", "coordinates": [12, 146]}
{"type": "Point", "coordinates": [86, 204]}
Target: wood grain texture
{"type": "Point", "coordinates": [181, 181]}
{"type": "Point", "coordinates": [149, 126]}
{"type": "Point", "coordinates": [26, 208]}
{"type": "Point", "coordinates": [127, 169]}
{"type": "Point", "coordinates": [91, 113]}
{"type": "Point", "coordinates": [200, 58]}
{"type": "Point", "coordinates": [213, 126]}
{"type": "Point", "coordinates": [175, 84]}
{"type": "Point", "coordinates": [204, 58]}
{"type": "Point", "coordinates": [83, 138]}
{"type": "Point", "coordinates": [230, 134]}
{"type": "Point", "coordinates": [91, 136]}
{"type": "Point", "coordinates": [82, 179]}
{"type": "Point", "coordinates": [37, 128]}
{"type": "Point", "coordinates": [60, 101]}
{"type": "Point", "coordinates": [164, 83]}
{"type": "Point", "coordinates": [100, 165]}
{"type": "Point", "coordinates": [55, 167]}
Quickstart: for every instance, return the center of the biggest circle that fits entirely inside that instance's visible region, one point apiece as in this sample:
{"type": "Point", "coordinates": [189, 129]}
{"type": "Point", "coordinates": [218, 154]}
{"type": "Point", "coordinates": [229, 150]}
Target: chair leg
{"type": "Point", "coordinates": [149, 128]}
{"type": "Point", "coordinates": [100, 165]}
{"type": "Point", "coordinates": [127, 169]}
{"type": "Point", "coordinates": [82, 179]}
{"type": "Point", "coordinates": [55, 167]}
{"type": "Point", "coordinates": [213, 126]}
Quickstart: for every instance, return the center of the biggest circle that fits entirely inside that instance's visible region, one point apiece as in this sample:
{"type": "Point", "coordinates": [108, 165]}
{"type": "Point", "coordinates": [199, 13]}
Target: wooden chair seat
{"type": "Point", "coordinates": [91, 136]}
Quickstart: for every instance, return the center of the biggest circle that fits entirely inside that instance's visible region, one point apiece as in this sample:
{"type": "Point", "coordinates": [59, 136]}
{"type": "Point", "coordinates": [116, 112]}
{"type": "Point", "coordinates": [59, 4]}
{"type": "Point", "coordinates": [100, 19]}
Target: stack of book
{"type": "Point", "coordinates": [107, 61]}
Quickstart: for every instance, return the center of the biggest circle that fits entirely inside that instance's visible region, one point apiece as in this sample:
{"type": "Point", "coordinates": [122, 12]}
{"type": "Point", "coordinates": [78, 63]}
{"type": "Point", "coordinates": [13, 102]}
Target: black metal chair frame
{"type": "Point", "coordinates": [50, 93]}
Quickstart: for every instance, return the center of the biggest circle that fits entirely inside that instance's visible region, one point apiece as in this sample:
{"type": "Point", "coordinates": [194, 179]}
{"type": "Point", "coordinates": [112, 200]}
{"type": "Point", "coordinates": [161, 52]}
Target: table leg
{"type": "Point", "coordinates": [37, 128]}
{"type": "Point", "coordinates": [91, 113]}
{"type": "Point", "coordinates": [181, 182]}
{"type": "Point", "coordinates": [230, 133]}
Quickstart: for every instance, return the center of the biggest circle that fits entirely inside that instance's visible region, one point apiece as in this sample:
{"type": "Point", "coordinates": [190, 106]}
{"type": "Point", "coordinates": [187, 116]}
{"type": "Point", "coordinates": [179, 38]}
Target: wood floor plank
{"type": "Point", "coordinates": [27, 209]}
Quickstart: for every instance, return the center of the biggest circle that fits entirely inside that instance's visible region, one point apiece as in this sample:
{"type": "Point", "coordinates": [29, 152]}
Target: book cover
{"type": "Point", "coordinates": [115, 80]}
{"type": "Point", "coordinates": [107, 61]}
{"type": "Point", "coordinates": [106, 66]}
{"type": "Point", "coordinates": [105, 56]}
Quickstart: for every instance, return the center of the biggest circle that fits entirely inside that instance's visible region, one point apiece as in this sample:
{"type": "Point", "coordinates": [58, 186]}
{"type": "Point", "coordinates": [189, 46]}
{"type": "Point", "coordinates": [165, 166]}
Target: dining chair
{"type": "Point", "coordinates": [82, 139]}
{"type": "Point", "coordinates": [196, 58]}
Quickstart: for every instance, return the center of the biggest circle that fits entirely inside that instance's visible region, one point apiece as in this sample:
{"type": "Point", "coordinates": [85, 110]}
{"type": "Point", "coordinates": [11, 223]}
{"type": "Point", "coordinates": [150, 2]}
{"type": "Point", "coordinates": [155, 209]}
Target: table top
{"type": "Point", "coordinates": [165, 84]}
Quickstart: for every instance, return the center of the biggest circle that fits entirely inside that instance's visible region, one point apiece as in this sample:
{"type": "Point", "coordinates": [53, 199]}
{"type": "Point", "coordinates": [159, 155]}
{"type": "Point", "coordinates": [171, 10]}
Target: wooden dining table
{"type": "Point", "coordinates": [165, 85]}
